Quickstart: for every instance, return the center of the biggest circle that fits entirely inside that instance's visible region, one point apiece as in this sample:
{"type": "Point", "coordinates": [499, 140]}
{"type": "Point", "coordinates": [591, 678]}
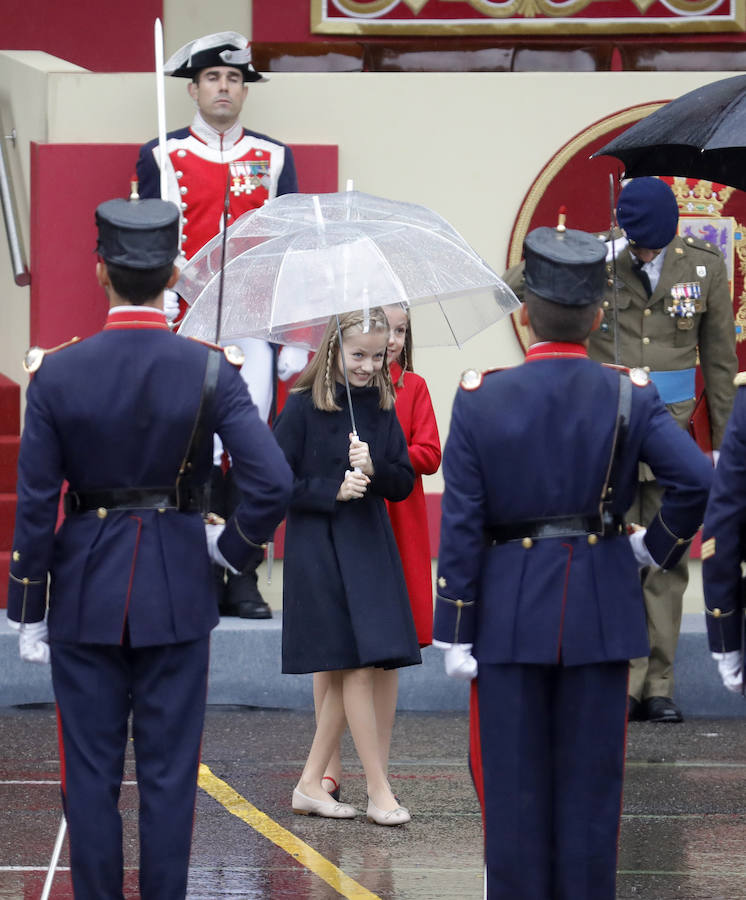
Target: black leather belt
{"type": "Point", "coordinates": [560, 526]}
{"type": "Point", "coordinates": [133, 498]}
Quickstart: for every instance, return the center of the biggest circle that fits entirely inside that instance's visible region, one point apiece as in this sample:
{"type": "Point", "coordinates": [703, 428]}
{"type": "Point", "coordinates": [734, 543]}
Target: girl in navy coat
{"type": "Point", "coordinates": [345, 606]}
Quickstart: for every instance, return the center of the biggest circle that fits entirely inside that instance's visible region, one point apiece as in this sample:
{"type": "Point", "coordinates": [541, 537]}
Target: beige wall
{"type": "Point", "coordinates": [467, 145]}
{"type": "Point", "coordinates": [183, 20]}
{"type": "Point", "coordinates": [24, 102]}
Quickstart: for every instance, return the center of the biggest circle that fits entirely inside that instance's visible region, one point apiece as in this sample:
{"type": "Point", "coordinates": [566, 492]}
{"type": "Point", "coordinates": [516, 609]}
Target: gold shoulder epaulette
{"type": "Point", "coordinates": [35, 355]}
{"type": "Point", "coordinates": [232, 352]}
{"type": "Point", "coordinates": [740, 379]}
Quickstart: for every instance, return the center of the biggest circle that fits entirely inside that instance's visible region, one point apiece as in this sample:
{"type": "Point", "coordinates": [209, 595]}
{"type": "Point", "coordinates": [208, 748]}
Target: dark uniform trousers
{"type": "Point", "coordinates": [537, 720]}
{"type": "Point", "coordinates": [165, 689]}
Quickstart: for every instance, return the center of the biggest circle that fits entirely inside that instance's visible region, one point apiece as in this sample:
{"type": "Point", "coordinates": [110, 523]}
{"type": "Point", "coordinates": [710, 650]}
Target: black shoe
{"type": "Point", "coordinates": [634, 709]}
{"type": "Point", "coordinates": [245, 599]}
{"type": "Point", "coordinates": [661, 709]}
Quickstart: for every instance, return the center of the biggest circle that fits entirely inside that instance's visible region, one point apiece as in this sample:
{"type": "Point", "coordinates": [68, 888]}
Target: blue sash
{"type": "Point", "coordinates": [674, 386]}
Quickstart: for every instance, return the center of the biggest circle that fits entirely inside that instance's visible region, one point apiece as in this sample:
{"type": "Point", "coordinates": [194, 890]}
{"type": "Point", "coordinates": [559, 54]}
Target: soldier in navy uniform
{"type": "Point", "coordinates": [723, 549]}
{"type": "Point", "coordinates": [200, 161]}
{"type": "Point", "coordinates": [127, 418]}
{"type": "Point", "coordinates": [538, 591]}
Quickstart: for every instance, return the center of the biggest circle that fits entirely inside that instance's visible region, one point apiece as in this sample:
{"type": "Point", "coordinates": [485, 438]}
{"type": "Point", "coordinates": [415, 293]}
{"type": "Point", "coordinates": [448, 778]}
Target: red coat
{"type": "Point", "coordinates": [414, 409]}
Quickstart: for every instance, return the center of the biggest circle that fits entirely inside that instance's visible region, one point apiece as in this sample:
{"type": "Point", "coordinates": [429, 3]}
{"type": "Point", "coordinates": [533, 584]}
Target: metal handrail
{"type": "Point", "coordinates": [20, 269]}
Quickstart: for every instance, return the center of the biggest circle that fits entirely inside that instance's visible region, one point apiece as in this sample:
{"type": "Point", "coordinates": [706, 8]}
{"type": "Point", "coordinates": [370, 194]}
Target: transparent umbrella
{"type": "Point", "coordinates": [285, 288]}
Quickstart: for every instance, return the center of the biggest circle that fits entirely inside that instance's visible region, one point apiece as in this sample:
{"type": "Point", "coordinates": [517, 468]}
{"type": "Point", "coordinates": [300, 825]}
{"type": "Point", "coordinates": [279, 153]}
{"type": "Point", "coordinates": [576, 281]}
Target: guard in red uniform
{"type": "Point", "coordinates": [538, 586]}
{"type": "Point", "coordinates": [201, 159]}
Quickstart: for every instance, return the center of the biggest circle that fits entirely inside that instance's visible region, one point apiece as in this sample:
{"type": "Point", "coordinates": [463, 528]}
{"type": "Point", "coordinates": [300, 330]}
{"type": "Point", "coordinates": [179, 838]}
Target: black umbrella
{"type": "Point", "coordinates": [701, 134]}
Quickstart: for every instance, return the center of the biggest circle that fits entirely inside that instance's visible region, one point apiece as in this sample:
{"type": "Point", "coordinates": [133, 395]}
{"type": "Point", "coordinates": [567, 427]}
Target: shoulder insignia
{"type": "Point", "coordinates": [235, 355]}
{"type": "Point", "coordinates": [471, 379]}
{"type": "Point", "coordinates": [232, 352]}
{"type": "Point", "coordinates": [639, 376]}
{"type": "Point", "coordinates": [35, 355]}
{"type": "Point", "coordinates": [33, 359]}
{"type": "Point", "coordinates": [699, 244]}
{"type": "Point", "coordinates": [740, 379]}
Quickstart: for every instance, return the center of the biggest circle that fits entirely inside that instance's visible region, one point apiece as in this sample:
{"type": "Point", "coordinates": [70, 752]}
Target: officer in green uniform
{"type": "Point", "coordinates": [668, 308]}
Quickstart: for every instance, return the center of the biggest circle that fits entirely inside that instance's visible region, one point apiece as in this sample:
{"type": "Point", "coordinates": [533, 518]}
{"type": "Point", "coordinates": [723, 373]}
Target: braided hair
{"type": "Point", "coordinates": [320, 375]}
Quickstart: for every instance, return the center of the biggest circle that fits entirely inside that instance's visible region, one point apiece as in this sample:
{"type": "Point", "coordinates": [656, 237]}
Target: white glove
{"type": "Point", "coordinates": [170, 304]}
{"type": "Point", "coordinates": [459, 662]}
{"type": "Point", "coordinates": [729, 666]}
{"type": "Point", "coordinates": [290, 361]}
{"type": "Point", "coordinates": [715, 458]}
{"type": "Point", "coordinates": [212, 533]}
{"type": "Point", "coordinates": [640, 550]}
{"type": "Point", "coordinates": [33, 642]}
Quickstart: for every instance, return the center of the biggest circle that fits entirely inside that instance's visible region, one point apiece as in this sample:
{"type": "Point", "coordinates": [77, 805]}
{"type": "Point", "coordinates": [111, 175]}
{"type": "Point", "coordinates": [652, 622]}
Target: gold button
{"type": "Point", "coordinates": [527, 543]}
{"type": "Point", "coordinates": [161, 509]}
{"type": "Point", "coordinates": [459, 603]}
{"type": "Point", "coordinates": [592, 538]}
{"type": "Point", "coordinates": [24, 580]}
{"type": "Point", "coordinates": [646, 340]}
{"type": "Point", "coordinates": [101, 512]}
{"type": "Point", "coordinates": [610, 281]}
{"type": "Point", "coordinates": [606, 304]}
{"type": "Point", "coordinates": [716, 613]}
{"type": "Point", "coordinates": [648, 312]}
{"type": "Point", "coordinates": [16, 556]}
{"type": "Point", "coordinates": [680, 541]}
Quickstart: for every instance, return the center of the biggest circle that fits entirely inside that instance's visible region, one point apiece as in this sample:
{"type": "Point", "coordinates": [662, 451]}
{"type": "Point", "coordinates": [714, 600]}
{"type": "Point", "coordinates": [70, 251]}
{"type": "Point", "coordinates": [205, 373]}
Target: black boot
{"type": "Point", "coordinates": [243, 596]}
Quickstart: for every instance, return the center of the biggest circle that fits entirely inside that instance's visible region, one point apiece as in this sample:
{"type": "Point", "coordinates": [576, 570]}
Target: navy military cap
{"type": "Point", "coordinates": [648, 212]}
{"type": "Point", "coordinates": [225, 48]}
{"type": "Point", "coordinates": [138, 234]}
{"type": "Point", "coordinates": [565, 266]}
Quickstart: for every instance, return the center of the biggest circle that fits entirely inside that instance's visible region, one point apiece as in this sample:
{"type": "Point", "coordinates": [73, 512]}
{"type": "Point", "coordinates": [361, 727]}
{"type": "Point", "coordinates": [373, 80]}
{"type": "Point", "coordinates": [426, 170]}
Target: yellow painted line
{"type": "Point", "coordinates": [241, 808]}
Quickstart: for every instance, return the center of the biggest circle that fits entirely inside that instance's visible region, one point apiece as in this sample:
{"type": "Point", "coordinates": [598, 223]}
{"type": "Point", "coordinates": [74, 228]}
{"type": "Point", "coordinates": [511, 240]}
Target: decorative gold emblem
{"type": "Point", "coordinates": [441, 582]}
{"type": "Point", "coordinates": [639, 377]}
{"type": "Point", "coordinates": [471, 379]}
{"type": "Point", "coordinates": [708, 549]}
{"type": "Point", "coordinates": [33, 359]}
{"type": "Point", "coordinates": [16, 556]}
{"type": "Point", "coordinates": [234, 354]}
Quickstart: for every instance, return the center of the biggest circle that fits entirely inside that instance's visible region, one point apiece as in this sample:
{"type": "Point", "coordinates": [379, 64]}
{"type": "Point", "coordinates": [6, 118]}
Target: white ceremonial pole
{"type": "Point", "coordinates": [55, 859]}
{"type": "Point", "coordinates": [160, 95]}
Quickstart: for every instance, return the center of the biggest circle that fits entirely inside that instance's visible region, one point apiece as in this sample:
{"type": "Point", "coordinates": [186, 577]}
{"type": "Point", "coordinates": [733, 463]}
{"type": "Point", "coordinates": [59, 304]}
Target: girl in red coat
{"type": "Point", "coordinates": [414, 410]}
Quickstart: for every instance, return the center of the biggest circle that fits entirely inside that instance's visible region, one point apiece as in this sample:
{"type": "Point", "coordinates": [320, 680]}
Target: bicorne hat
{"type": "Point", "coordinates": [225, 48]}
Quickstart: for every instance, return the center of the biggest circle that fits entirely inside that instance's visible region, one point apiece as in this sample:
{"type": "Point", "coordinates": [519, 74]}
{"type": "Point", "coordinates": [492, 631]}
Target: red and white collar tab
{"type": "Point", "coordinates": [136, 317]}
{"type": "Point", "coordinates": [556, 350]}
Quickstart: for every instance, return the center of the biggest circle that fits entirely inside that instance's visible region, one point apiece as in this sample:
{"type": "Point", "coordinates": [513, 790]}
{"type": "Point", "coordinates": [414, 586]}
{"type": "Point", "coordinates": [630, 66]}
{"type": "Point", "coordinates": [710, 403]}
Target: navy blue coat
{"type": "Point", "coordinates": [345, 601]}
{"type": "Point", "coordinates": [534, 442]}
{"type": "Point", "coordinates": [115, 411]}
{"type": "Point", "coordinates": [723, 536]}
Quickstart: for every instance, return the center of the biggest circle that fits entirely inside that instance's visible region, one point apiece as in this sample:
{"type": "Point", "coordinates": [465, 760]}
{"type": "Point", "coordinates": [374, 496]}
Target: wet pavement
{"type": "Point", "coordinates": [683, 833]}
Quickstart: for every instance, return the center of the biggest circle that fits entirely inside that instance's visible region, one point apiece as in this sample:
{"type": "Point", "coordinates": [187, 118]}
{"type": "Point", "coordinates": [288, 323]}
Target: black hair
{"type": "Point", "coordinates": [138, 286]}
{"type": "Point", "coordinates": [557, 322]}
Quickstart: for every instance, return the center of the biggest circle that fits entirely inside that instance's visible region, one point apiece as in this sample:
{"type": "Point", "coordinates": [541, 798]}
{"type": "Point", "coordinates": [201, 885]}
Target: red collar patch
{"type": "Point", "coordinates": [137, 317]}
{"type": "Point", "coordinates": [556, 350]}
